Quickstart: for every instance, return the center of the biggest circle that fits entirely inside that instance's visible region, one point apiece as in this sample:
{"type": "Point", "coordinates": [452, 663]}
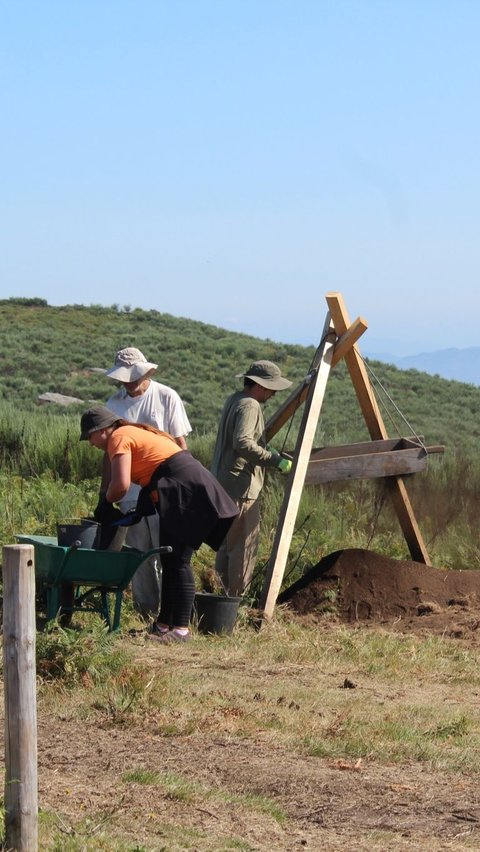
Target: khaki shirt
{"type": "Point", "coordinates": [240, 455]}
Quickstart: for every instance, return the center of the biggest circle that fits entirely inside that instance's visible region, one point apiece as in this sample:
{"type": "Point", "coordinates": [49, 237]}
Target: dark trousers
{"type": "Point", "coordinates": [178, 584]}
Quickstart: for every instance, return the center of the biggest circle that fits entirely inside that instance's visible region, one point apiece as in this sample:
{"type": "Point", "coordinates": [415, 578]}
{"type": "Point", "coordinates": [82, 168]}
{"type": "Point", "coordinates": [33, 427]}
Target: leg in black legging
{"type": "Point", "coordinates": [178, 585]}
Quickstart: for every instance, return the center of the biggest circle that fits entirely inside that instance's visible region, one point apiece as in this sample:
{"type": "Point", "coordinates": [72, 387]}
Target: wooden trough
{"type": "Point", "coordinates": [368, 460]}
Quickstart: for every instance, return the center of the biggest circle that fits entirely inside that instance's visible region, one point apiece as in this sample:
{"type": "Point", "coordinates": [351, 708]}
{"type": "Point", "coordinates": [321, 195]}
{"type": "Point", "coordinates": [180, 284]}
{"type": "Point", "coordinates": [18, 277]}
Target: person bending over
{"type": "Point", "coordinates": [191, 505]}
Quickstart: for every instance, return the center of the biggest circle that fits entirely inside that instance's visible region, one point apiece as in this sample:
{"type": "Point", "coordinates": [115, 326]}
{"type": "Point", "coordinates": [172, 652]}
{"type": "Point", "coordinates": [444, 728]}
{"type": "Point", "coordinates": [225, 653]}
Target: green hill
{"type": "Point", "coordinates": [61, 349]}
{"type": "Point", "coordinates": [46, 473]}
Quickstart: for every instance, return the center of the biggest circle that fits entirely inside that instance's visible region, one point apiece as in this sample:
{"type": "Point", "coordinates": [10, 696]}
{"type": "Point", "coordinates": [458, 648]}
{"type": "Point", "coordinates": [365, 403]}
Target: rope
{"type": "Point", "coordinates": [262, 567]}
{"type": "Point", "coordinates": [380, 505]}
{"type": "Point", "coordinates": [395, 406]}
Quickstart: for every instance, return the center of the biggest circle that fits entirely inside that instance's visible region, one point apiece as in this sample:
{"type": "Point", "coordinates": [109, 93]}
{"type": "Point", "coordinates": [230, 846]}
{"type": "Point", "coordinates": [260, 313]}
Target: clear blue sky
{"type": "Point", "coordinates": [233, 161]}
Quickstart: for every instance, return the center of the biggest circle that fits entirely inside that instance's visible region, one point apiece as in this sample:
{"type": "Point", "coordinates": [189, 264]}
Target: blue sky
{"type": "Point", "coordinates": [234, 161]}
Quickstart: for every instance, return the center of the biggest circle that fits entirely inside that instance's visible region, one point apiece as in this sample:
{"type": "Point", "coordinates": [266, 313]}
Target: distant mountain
{"type": "Point", "coordinates": [462, 365]}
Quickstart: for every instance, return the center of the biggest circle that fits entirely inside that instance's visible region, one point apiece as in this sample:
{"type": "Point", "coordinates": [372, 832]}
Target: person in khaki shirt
{"type": "Point", "coordinates": [240, 458]}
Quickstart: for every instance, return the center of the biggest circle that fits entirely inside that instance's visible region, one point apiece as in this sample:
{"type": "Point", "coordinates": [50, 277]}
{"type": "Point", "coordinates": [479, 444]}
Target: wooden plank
{"type": "Point", "coordinates": [293, 489]}
{"type": "Point", "coordinates": [346, 341]}
{"type": "Point", "coordinates": [365, 466]}
{"type": "Point", "coordinates": [436, 448]}
{"type": "Point", "coordinates": [357, 370]}
{"type": "Point", "coordinates": [287, 410]}
{"type": "Point", "coordinates": [299, 395]}
{"type": "Point", "coordinates": [377, 430]}
{"type": "Point", "coordinates": [364, 448]}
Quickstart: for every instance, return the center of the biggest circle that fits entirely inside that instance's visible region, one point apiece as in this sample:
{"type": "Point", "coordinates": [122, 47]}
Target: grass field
{"type": "Point", "coordinates": [298, 736]}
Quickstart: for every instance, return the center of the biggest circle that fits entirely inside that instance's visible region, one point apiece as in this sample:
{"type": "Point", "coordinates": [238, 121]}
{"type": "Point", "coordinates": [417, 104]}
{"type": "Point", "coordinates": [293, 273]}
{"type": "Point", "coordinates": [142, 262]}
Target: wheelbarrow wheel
{"type": "Point", "coordinates": [67, 598]}
{"type": "Point", "coordinates": [41, 596]}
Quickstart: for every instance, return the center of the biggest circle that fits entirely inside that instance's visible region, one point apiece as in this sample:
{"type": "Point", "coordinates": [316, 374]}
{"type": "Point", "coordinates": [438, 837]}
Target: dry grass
{"type": "Point", "coordinates": [345, 698]}
{"type": "Point", "coordinates": [334, 691]}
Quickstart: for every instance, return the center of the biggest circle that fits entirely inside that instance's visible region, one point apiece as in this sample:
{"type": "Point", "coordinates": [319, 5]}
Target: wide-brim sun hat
{"type": "Point", "coordinates": [98, 417]}
{"type": "Point", "coordinates": [266, 374]}
{"type": "Point", "coordinates": [130, 365]}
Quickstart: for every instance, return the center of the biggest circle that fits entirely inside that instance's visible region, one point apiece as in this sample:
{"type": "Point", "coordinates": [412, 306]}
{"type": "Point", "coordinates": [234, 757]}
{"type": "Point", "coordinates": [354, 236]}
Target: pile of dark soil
{"type": "Point", "coordinates": [363, 586]}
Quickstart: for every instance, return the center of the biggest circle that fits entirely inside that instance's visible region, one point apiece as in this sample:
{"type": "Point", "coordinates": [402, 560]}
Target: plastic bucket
{"type": "Point", "coordinates": [110, 538]}
{"type": "Point", "coordinates": [215, 613]}
{"type": "Point", "coordinates": [90, 534]}
{"type": "Point", "coordinates": [83, 532]}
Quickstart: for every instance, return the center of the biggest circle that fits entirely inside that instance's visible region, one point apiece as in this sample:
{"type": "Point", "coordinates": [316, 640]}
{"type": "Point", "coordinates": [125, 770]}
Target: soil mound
{"type": "Point", "coordinates": [362, 586]}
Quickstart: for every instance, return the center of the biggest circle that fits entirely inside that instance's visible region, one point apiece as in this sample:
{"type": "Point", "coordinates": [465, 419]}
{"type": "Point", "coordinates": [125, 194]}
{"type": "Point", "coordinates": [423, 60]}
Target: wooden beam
{"type": "Point", "coordinates": [435, 448]}
{"type": "Point", "coordinates": [346, 341]}
{"type": "Point", "coordinates": [288, 409]}
{"type": "Point", "coordinates": [299, 395]}
{"type": "Point", "coordinates": [377, 430]}
{"type": "Point", "coordinates": [294, 486]}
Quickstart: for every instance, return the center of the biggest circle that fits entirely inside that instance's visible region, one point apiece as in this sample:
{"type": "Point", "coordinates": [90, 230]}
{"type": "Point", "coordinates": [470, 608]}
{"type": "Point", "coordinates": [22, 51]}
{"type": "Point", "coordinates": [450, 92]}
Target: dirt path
{"type": "Point", "coordinates": [329, 805]}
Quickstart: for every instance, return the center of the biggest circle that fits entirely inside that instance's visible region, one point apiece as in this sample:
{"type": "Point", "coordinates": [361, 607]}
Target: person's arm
{"type": "Point", "coordinates": [245, 443]}
{"type": "Point", "coordinates": [106, 475]}
{"type": "Point", "coordinates": [120, 478]}
{"type": "Point", "coordinates": [175, 421]}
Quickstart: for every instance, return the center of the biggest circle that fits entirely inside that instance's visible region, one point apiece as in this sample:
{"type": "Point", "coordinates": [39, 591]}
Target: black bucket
{"type": "Point", "coordinates": [215, 613]}
{"type": "Point", "coordinates": [83, 531]}
{"type": "Point", "coordinates": [88, 533]}
{"type": "Point", "coordinates": [110, 538]}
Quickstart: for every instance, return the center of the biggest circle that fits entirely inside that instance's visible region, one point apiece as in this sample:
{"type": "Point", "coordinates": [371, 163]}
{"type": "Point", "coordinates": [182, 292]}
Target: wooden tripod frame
{"type": "Point", "coordinates": [338, 341]}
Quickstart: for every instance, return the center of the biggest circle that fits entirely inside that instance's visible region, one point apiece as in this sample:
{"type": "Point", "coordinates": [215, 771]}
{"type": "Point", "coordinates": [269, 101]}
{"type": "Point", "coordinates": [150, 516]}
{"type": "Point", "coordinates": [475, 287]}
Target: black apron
{"type": "Point", "coordinates": [192, 505]}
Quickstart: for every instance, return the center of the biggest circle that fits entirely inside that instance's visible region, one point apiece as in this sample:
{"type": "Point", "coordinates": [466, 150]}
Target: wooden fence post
{"type": "Point", "coordinates": [19, 629]}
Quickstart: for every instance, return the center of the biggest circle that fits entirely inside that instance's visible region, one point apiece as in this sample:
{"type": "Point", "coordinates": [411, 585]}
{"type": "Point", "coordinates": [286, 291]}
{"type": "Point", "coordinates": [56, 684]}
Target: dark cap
{"type": "Point", "coordinates": [267, 374]}
{"type": "Point", "coordinates": [98, 417]}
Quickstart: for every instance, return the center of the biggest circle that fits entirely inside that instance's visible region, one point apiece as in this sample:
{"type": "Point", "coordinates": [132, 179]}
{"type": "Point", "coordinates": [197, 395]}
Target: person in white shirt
{"type": "Point", "coordinates": [143, 400]}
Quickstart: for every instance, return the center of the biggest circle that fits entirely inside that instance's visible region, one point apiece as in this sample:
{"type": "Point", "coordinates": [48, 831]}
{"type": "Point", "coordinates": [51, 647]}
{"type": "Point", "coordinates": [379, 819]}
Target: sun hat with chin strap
{"type": "Point", "coordinates": [267, 374]}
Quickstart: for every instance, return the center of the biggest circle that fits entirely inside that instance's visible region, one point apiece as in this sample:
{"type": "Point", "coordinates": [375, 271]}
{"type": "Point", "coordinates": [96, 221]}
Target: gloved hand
{"type": "Point", "coordinates": [272, 450]}
{"type": "Point", "coordinates": [276, 455]}
{"type": "Point", "coordinates": [284, 465]}
{"type": "Point", "coordinates": [105, 512]}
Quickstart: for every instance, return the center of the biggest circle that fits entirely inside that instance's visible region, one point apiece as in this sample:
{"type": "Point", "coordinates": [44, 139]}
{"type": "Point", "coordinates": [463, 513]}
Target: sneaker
{"type": "Point", "coordinates": [171, 636]}
{"type": "Point", "coordinates": [156, 630]}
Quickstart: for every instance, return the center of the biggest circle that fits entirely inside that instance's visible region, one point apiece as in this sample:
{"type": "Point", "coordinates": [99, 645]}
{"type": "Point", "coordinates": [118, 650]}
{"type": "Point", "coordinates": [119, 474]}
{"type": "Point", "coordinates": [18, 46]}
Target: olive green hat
{"type": "Point", "coordinates": [267, 374]}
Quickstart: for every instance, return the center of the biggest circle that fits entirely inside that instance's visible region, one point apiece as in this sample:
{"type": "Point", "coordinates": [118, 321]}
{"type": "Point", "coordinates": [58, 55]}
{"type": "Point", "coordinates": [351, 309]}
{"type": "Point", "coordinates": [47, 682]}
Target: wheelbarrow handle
{"type": "Point", "coordinates": [166, 548]}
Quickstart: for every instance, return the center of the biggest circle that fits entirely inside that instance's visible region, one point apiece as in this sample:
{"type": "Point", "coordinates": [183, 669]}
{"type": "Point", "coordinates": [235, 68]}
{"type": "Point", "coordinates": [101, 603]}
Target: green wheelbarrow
{"type": "Point", "coordinates": [97, 571]}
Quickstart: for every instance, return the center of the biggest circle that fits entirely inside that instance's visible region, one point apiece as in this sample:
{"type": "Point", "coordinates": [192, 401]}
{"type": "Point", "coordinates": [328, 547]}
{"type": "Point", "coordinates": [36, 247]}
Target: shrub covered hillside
{"type": "Point", "coordinates": [62, 349]}
{"type": "Point", "coordinates": [48, 474]}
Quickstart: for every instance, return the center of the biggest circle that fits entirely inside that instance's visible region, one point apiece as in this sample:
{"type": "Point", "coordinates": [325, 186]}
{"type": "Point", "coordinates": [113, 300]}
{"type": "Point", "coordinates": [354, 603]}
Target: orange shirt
{"type": "Point", "coordinates": [147, 450]}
